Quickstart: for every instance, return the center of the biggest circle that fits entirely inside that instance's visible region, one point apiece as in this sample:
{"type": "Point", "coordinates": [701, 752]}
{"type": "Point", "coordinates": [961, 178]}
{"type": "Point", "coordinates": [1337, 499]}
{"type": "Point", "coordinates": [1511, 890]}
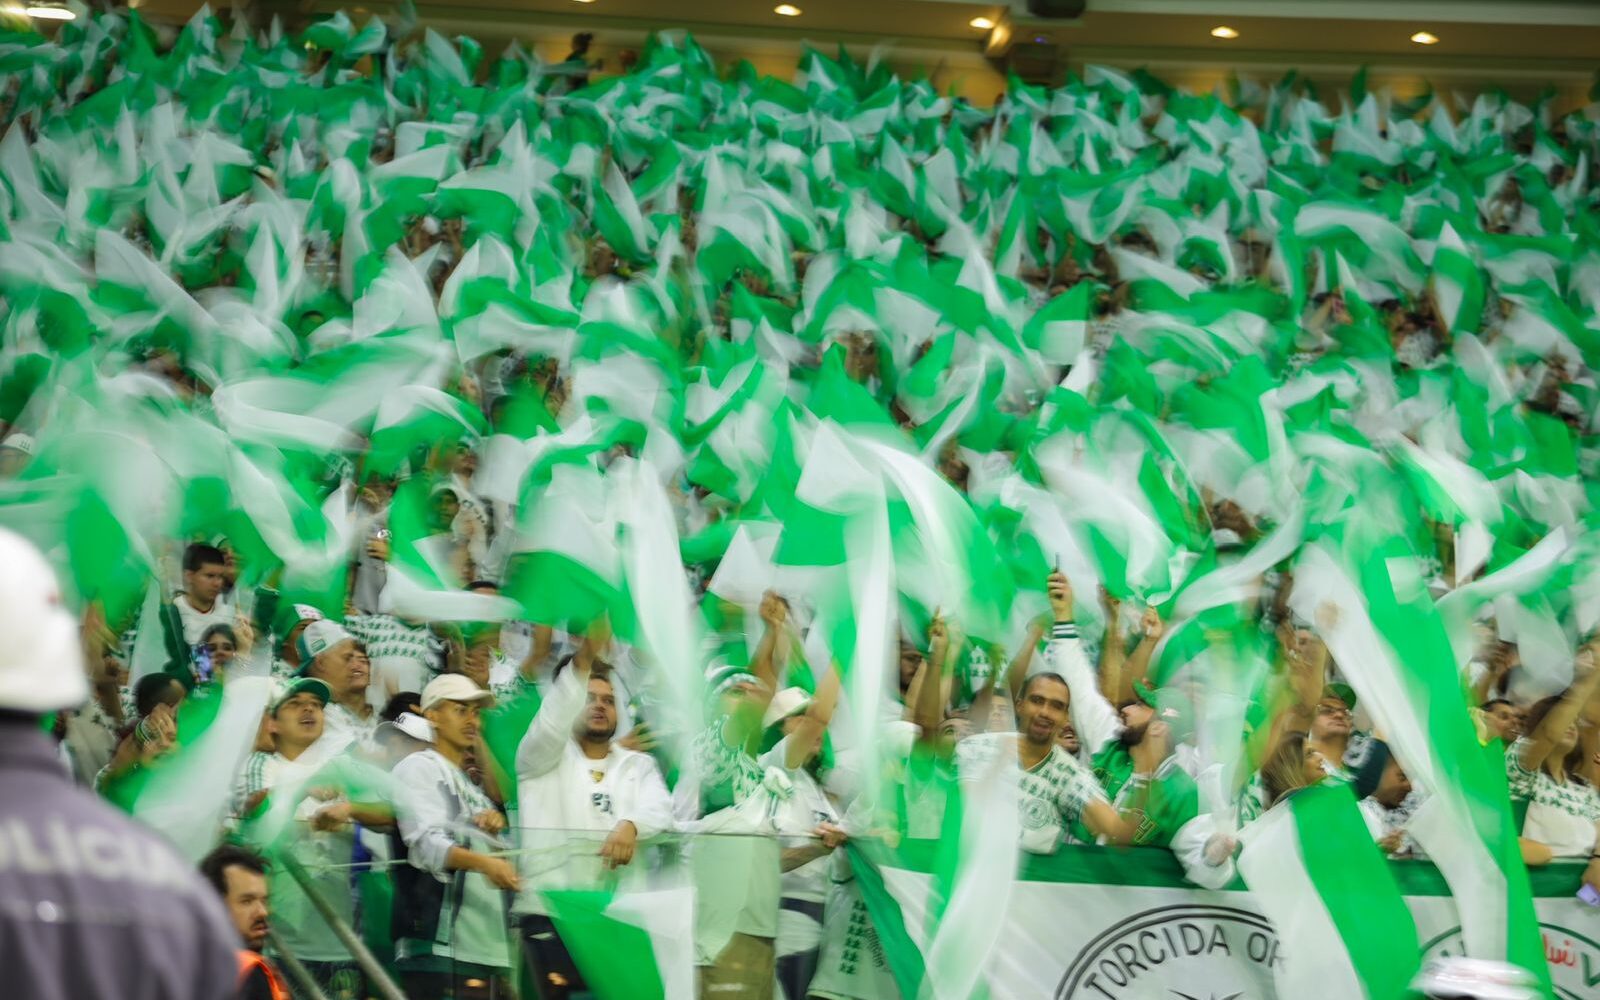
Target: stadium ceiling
{"type": "Point", "coordinates": [1534, 36]}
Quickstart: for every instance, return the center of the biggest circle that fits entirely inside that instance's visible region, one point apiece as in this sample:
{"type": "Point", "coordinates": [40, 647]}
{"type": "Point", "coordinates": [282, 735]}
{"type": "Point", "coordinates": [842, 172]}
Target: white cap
{"type": "Point", "coordinates": [785, 703]}
{"type": "Point", "coordinates": [414, 726]}
{"type": "Point", "coordinates": [319, 637]}
{"type": "Point", "coordinates": [20, 442]}
{"type": "Point", "coordinates": [41, 659]}
{"type": "Point", "coordinates": [452, 687]}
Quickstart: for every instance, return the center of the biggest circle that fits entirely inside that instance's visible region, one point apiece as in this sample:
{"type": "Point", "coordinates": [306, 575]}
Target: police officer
{"type": "Point", "coordinates": [91, 903]}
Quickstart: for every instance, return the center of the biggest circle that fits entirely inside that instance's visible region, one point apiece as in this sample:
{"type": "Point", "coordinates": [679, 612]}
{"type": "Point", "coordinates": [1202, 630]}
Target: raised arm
{"type": "Point", "coordinates": [743, 728]}
{"type": "Point", "coordinates": [772, 652]}
{"type": "Point", "coordinates": [1096, 721]}
{"type": "Point", "coordinates": [538, 652]}
{"type": "Point", "coordinates": [926, 684]}
{"type": "Point", "coordinates": [1137, 667]}
{"type": "Point", "coordinates": [1305, 659]}
{"type": "Point", "coordinates": [1017, 673]}
{"type": "Point", "coordinates": [1113, 654]}
{"type": "Point", "coordinates": [812, 725]}
{"type": "Point", "coordinates": [1542, 741]}
{"type": "Point", "coordinates": [546, 739]}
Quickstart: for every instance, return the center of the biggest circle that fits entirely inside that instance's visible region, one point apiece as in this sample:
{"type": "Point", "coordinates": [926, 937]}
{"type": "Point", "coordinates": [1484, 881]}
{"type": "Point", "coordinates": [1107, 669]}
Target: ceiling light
{"type": "Point", "coordinates": [1223, 31]}
{"type": "Point", "coordinates": [1424, 38]}
{"type": "Point", "coordinates": [982, 23]}
{"type": "Point", "coordinates": [46, 13]}
{"type": "Point", "coordinates": [786, 10]}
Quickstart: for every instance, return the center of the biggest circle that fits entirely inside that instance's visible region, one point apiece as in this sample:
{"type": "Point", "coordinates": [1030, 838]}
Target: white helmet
{"type": "Point", "coordinates": [41, 658]}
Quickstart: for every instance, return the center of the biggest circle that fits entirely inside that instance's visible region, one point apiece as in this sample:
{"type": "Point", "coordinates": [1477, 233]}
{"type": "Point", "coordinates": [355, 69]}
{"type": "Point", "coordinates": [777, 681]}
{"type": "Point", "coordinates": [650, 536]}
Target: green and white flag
{"type": "Point", "coordinates": [629, 945]}
{"type": "Point", "coordinates": [1314, 869]}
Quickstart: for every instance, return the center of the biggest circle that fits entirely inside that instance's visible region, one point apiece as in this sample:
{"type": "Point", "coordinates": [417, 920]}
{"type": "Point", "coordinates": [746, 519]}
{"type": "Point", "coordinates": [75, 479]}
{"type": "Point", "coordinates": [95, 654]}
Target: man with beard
{"type": "Point", "coordinates": [1057, 792]}
{"type": "Point", "coordinates": [240, 877]}
{"type": "Point", "coordinates": [1068, 740]}
{"type": "Point", "coordinates": [573, 779]}
{"type": "Point", "coordinates": [1130, 748]}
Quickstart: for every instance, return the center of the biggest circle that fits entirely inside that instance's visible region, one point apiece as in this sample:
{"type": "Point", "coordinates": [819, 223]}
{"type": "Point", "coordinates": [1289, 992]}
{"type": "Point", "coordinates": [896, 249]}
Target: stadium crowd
{"type": "Point", "coordinates": [451, 399]}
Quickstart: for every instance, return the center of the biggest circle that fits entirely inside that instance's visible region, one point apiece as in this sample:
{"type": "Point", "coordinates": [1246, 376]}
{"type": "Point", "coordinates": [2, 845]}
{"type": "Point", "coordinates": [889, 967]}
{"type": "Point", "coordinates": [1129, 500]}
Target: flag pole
{"type": "Point", "coordinates": [377, 977]}
{"type": "Point", "coordinates": [303, 980]}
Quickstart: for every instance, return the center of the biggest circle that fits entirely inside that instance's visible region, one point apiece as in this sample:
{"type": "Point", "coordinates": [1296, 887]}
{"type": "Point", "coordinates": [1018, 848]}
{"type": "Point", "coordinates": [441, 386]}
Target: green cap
{"type": "Point", "coordinates": [290, 614]}
{"type": "Point", "coordinates": [1343, 692]}
{"type": "Point", "coordinates": [1172, 707]}
{"type": "Point", "coordinates": [301, 685]}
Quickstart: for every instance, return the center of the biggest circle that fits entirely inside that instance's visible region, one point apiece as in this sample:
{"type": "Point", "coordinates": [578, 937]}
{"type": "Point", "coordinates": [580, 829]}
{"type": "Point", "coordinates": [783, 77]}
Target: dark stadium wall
{"type": "Point", "coordinates": [1479, 47]}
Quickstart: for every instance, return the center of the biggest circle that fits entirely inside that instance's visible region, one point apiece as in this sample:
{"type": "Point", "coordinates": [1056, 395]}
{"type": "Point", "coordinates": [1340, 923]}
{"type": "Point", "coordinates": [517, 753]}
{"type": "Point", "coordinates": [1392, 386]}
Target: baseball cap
{"type": "Point", "coordinates": [319, 637]}
{"type": "Point", "coordinates": [1343, 692]}
{"type": "Point", "coordinates": [41, 659]}
{"type": "Point", "coordinates": [452, 687]}
{"type": "Point", "coordinates": [789, 701]}
{"type": "Point", "coordinates": [412, 725]}
{"type": "Point", "coordinates": [290, 615]}
{"type": "Point", "coordinates": [1172, 707]}
{"type": "Point", "coordinates": [721, 676]}
{"type": "Point", "coordinates": [300, 685]}
{"type": "Point", "coordinates": [20, 442]}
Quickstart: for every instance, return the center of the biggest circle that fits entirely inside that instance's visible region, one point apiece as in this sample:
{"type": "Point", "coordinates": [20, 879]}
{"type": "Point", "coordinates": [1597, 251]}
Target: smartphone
{"type": "Point", "coordinates": [1588, 896]}
{"type": "Point", "coordinates": [203, 667]}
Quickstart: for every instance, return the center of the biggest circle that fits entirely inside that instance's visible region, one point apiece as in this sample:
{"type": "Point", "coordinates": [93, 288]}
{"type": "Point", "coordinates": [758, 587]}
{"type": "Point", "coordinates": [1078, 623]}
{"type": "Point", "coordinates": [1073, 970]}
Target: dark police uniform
{"type": "Point", "coordinates": [93, 905]}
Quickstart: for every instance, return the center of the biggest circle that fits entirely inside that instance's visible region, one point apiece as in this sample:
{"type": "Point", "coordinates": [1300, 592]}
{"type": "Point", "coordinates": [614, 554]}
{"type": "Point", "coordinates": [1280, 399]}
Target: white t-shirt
{"type": "Point", "coordinates": [797, 817]}
{"type": "Point", "coordinates": [343, 730]}
{"type": "Point", "coordinates": [1560, 816]}
{"type": "Point", "coordinates": [195, 622]}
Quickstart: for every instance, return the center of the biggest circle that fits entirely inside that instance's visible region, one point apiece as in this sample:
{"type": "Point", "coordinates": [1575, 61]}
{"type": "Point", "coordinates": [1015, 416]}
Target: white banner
{"type": "Point", "coordinates": [1088, 940]}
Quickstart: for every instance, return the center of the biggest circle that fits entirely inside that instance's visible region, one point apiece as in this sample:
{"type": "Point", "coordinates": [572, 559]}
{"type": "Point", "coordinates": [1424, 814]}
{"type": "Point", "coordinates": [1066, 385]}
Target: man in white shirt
{"type": "Point", "coordinates": [201, 604]}
{"type": "Point", "coordinates": [573, 778]}
{"type": "Point", "coordinates": [329, 653]}
{"type": "Point", "coordinates": [449, 916]}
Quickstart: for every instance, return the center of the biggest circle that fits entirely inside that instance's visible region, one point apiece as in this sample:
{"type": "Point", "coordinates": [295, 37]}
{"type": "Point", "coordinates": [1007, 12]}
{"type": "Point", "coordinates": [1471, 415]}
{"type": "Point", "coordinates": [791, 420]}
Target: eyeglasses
{"type": "Point", "coordinates": [1333, 710]}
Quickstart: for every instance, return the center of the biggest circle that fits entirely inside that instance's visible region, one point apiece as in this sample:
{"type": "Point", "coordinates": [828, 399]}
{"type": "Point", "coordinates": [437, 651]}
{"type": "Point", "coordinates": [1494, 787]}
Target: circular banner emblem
{"type": "Point", "coordinates": [1182, 952]}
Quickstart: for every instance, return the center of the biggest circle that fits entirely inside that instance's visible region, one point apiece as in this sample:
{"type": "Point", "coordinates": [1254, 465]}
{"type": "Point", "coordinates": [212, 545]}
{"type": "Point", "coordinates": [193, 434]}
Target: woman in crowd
{"type": "Point", "coordinates": [1558, 810]}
